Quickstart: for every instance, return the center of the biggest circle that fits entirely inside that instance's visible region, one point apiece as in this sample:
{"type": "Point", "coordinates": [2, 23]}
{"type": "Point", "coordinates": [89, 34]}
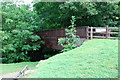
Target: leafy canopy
{"type": "Point", "coordinates": [58, 15]}
{"type": "Point", "coordinates": [17, 35]}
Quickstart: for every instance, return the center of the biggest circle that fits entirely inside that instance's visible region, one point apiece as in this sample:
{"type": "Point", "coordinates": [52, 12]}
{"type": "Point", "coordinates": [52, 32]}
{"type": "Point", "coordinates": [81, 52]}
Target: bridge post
{"type": "Point", "coordinates": [87, 32]}
{"type": "Point", "coordinates": [91, 32]}
{"type": "Point", "coordinates": [107, 32]}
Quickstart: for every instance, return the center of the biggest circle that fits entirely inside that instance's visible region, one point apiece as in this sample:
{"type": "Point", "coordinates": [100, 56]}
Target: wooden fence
{"type": "Point", "coordinates": [102, 32]}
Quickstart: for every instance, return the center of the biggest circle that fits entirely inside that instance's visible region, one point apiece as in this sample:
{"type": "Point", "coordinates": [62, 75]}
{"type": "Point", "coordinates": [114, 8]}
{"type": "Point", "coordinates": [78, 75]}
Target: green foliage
{"type": "Point", "coordinates": [115, 35]}
{"type": "Point", "coordinates": [17, 35]}
{"type": "Point", "coordinates": [96, 58]}
{"type": "Point", "coordinates": [71, 38]}
{"type": "Point", "coordinates": [20, 22]}
{"type": "Point", "coordinates": [57, 15]}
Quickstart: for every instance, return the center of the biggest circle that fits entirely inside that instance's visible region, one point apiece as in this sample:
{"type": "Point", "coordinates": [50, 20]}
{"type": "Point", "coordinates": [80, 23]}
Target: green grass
{"type": "Point", "coordinates": [97, 58]}
{"type": "Point", "coordinates": [15, 67]}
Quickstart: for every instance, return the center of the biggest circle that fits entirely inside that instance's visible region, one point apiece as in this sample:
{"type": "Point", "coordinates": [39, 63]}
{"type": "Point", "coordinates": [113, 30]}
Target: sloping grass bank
{"type": "Point", "coordinates": [97, 58]}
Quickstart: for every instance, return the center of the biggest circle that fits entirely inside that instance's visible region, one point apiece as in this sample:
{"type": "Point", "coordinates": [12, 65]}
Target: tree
{"type": "Point", "coordinates": [17, 35]}
{"type": "Point", "coordinates": [57, 15]}
{"type": "Point", "coordinates": [71, 38]}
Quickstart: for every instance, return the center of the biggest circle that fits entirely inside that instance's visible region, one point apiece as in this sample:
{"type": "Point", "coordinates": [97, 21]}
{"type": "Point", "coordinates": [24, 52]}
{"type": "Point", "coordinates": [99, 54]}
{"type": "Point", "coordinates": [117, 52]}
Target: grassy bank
{"type": "Point", "coordinates": [97, 58]}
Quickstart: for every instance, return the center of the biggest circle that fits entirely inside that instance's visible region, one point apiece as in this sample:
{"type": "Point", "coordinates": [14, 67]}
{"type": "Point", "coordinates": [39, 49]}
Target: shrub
{"type": "Point", "coordinates": [17, 35]}
{"type": "Point", "coordinates": [71, 38]}
{"type": "Point", "coordinates": [15, 45]}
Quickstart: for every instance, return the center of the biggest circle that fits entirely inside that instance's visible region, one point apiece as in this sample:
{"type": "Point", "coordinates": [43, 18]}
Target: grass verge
{"type": "Point", "coordinates": [97, 58]}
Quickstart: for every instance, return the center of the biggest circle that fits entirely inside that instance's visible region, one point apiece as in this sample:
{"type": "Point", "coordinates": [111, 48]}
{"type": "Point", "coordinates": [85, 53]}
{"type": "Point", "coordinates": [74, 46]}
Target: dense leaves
{"type": "Point", "coordinates": [57, 15]}
{"type": "Point", "coordinates": [17, 35]}
{"type": "Point", "coordinates": [20, 22]}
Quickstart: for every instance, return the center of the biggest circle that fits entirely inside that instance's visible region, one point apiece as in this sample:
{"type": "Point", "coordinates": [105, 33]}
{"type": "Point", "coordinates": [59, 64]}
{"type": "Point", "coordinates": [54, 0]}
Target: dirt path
{"type": "Point", "coordinates": [9, 75]}
{"type": "Point", "coordinates": [14, 74]}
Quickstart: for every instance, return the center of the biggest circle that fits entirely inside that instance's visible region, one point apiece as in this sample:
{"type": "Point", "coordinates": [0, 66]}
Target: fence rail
{"type": "Point", "coordinates": [104, 31]}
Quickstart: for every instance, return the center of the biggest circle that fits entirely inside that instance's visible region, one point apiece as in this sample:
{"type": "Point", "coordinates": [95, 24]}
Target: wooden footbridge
{"type": "Point", "coordinates": [51, 36]}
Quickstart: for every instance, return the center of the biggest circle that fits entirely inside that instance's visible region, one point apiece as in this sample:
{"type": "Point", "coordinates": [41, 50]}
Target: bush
{"type": "Point", "coordinates": [71, 38]}
{"type": "Point", "coordinates": [17, 37]}
{"type": "Point", "coordinates": [15, 45]}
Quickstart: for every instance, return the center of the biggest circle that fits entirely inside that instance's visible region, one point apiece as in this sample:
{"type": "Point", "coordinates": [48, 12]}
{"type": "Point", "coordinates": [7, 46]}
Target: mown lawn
{"type": "Point", "coordinates": [15, 67]}
{"type": "Point", "coordinates": [97, 58]}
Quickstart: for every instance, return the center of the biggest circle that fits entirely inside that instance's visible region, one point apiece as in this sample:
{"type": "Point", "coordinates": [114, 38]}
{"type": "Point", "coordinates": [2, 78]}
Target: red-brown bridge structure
{"type": "Point", "coordinates": [51, 36]}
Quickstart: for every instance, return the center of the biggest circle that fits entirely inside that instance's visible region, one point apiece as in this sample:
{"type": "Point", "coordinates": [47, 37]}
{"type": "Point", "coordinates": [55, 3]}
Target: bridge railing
{"type": "Point", "coordinates": [104, 32]}
{"type": "Point", "coordinates": [51, 36]}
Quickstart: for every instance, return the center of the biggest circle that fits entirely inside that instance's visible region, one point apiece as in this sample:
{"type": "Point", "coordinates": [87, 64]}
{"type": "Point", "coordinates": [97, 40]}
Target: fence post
{"type": "Point", "coordinates": [87, 32]}
{"type": "Point", "coordinates": [91, 32]}
{"type": "Point", "coordinates": [107, 32]}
